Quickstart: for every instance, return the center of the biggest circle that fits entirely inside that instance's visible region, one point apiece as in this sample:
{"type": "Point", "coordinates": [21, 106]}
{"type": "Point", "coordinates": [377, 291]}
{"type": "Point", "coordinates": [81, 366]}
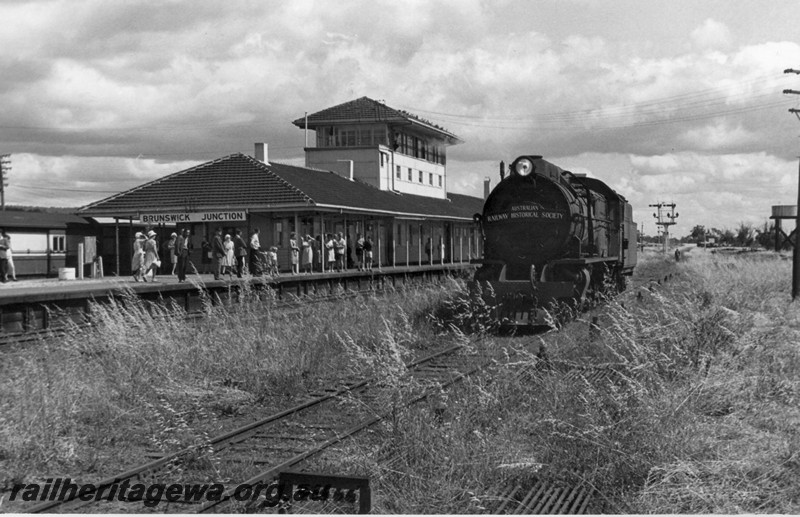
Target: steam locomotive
{"type": "Point", "coordinates": [551, 236]}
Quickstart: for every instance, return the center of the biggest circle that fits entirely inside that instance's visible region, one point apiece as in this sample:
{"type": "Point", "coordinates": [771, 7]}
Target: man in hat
{"type": "Point", "coordinates": [182, 254]}
{"type": "Point", "coordinates": [217, 253]}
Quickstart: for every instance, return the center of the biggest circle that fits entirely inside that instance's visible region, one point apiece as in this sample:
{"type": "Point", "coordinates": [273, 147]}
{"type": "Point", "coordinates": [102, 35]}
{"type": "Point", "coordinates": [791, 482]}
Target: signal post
{"type": "Point", "coordinates": [665, 217]}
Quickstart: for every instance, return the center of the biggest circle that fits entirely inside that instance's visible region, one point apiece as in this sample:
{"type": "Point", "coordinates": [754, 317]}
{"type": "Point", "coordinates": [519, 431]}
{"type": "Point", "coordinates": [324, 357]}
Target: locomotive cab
{"type": "Point", "coordinates": [551, 236]}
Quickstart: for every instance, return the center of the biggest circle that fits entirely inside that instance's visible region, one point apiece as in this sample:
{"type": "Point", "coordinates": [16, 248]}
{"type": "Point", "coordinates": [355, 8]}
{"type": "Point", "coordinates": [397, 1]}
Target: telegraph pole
{"type": "Point", "coordinates": [795, 252]}
{"type": "Point", "coordinates": [665, 217]}
{"type": "Point", "coordinates": [5, 166]}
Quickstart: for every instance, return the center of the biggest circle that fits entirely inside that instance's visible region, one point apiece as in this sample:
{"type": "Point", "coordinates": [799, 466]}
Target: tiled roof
{"type": "Point", "coordinates": [239, 181]}
{"type": "Point", "coordinates": [328, 188]}
{"type": "Point", "coordinates": [366, 110]}
{"type": "Point", "coordinates": [235, 181]}
{"type": "Point", "coordinates": [30, 219]}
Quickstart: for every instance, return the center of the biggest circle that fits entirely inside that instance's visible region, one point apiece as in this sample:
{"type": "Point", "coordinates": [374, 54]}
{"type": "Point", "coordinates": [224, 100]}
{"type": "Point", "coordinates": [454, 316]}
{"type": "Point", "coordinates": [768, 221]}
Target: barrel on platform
{"type": "Point", "coordinates": [66, 273]}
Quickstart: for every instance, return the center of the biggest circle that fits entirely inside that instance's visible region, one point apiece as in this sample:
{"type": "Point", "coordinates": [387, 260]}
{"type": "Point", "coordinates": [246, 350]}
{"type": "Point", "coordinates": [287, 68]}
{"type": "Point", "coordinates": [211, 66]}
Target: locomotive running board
{"type": "Point", "coordinates": [582, 261]}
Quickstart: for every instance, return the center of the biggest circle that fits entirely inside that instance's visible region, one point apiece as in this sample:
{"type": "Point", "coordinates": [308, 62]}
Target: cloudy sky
{"type": "Point", "coordinates": [676, 100]}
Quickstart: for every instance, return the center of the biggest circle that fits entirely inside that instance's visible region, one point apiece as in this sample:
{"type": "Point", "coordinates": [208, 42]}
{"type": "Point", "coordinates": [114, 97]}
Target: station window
{"type": "Point", "coordinates": [409, 175]}
{"type": "Point", "coordinates": [398, 171]}
{"type": "Point", "coordinates": [58, 244]}
{"type": "Point", "coordinates": [440, 180]}
{"type": "Point", "coordinates": [420, 177]}
{"type": "Point", "coordinates": [430, 178]}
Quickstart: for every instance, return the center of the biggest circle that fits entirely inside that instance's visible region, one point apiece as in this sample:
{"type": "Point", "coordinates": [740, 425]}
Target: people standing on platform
{"type": "Point", "coordinates": [151, 261]}
{"type": "Point", "coordinates": [341, 245]}
{"type": "Point", "coordinates": [240, 251]}
{"type": "Point", "coordinates": [272, 261]}
{"type": "Point", "coordinates": [330, 252]}
{"type": "Point", "coordinates": [229, 260]}
{"type": "Point", "coordinates": [137, 260]}
{"type": "Point", "coordinates": [368, 253]}
{"type": "Point", "coordinates": [255, 254]}
{"type": "Point", "coordinates": [205, 260]}
{"type": "Point", "coordinates": [3, 258]}
{"type": "Point", "coordinates": [308, 254]}
{"type": "Point", "coordinates": [319, 252]}
{"type": "Point", "coordinates": [428, 251]}
{"type": "Point", "coordinates": [173, 256]}
{"type": "Point", "coordinates": [359, 252]}
{"type": "Point", "coordinates": [294, 251]}
{"type": "Point", "coordinates": [12, 271]}
{"type": "Point", "coordinates": [218, 253]}
{"type": "Point", "coordinates": [182, 254]}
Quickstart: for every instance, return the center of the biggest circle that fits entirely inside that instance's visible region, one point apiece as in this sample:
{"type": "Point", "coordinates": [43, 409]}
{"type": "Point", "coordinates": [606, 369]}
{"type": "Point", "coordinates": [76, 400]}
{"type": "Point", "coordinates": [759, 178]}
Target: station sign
{"type": "Point", "coordinates": [221, 216]}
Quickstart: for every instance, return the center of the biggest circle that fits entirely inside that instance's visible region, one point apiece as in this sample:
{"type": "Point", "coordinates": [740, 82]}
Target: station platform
{"type": "Point", "coordinates": [27, 304]}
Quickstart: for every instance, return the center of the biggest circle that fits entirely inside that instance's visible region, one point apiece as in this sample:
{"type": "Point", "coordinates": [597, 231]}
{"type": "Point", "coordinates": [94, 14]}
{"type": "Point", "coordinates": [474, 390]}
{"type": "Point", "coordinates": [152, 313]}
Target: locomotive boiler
{"type": "Point", "coordinates": [551, 236]}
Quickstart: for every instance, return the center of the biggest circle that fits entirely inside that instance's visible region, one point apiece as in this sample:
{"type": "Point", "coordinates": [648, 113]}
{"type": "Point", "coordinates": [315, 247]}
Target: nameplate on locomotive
{"type": "Point", "coordinates": [526, 211]}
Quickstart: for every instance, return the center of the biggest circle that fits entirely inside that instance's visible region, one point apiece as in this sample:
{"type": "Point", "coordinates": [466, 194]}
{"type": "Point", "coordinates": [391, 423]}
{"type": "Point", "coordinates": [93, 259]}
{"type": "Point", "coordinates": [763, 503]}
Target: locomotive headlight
{"type": "Point", "coordinates": [523, 167]}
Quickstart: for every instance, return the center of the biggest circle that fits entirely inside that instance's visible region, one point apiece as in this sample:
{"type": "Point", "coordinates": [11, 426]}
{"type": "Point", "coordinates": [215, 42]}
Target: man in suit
{"type": "Point", "coordinates": [240, 251]}
{"type": "Point", "coordinates": [182, 252]}
{"type": "Point", "coordinates": [217, 253]}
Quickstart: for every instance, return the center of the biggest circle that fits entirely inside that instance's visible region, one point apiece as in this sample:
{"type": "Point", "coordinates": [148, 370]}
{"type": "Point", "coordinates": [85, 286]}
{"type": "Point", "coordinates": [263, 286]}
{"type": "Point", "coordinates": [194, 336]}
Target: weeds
{"type": "Point", "coordinates": [685, 401]}
{"type": "Point", "coordinates": [143, 376]}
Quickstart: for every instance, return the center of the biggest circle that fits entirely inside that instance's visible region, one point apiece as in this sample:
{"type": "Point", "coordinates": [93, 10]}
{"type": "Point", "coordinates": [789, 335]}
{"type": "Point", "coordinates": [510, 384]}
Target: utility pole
{"type": "Point", "coordinates": [795, 252]}
{"type": "Point", "coordinates": [5, 166]}
{"type": "Point", "coordinates": [665, 217]}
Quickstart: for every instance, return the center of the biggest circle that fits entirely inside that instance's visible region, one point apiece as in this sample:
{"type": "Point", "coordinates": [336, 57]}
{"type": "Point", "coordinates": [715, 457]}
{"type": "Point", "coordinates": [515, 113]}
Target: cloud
{"type": "Point", "coordinates": [712, 35]}
{"type": "Point", "coordinates": [76, 181]}
{"type": "Point", "coordinates": [89, 87]}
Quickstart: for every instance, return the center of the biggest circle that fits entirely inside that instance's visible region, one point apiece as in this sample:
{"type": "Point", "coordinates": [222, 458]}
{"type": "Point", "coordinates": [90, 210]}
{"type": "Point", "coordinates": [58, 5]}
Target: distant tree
{"type": "Point", "coordinates": [766, 235]}
{"type": "Point", "coordinates": [728, 237]}
{"type": "Point", "coordinates": [698, 234]}
{"type": "Point", "coordinates": [745, 235]}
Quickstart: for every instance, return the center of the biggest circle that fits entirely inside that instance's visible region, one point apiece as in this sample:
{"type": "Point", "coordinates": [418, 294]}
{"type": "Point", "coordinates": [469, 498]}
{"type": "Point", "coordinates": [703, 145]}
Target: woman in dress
{"type": "Point", "coordinates": [308, 254]}
{"type": "Point", "coordinates": [173, 258]}
{"type": "Point", "coordinates": [228, 261]}
{"type": "Point", "coordinates": [137, 260]}
{"type": "Point", "coordinates": [295, 253]}
{"type": "Point", "coordinates": [151, 261]}
{"type": "Point", "coordinates": [330, 252]}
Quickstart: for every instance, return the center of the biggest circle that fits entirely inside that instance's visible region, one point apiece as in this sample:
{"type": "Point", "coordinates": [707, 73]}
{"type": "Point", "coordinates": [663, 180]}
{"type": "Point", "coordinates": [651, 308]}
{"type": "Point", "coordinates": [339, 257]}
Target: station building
{"type": "Point", "coordinates": [43, 242]}
{"type": "Point", "coordinates": [374, 170]}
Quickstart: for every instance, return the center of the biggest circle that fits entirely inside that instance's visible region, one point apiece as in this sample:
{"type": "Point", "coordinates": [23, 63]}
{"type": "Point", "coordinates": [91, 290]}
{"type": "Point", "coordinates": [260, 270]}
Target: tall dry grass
{"type": "Point", "coordinates": [684, 401]}
{"type": "Point", "coordinates": [145, 376]}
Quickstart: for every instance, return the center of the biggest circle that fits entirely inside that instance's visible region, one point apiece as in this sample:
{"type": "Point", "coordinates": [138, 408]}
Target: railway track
{"type": "Point", "coordinates": [284, 440]}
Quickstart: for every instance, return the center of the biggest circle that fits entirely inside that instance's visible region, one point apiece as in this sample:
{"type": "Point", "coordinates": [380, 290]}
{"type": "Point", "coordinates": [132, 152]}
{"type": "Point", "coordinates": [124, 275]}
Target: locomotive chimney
{"type": "Point", "coordinates": [502, 170]}
{"type": "Point", "coordinates": [487, 187]}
